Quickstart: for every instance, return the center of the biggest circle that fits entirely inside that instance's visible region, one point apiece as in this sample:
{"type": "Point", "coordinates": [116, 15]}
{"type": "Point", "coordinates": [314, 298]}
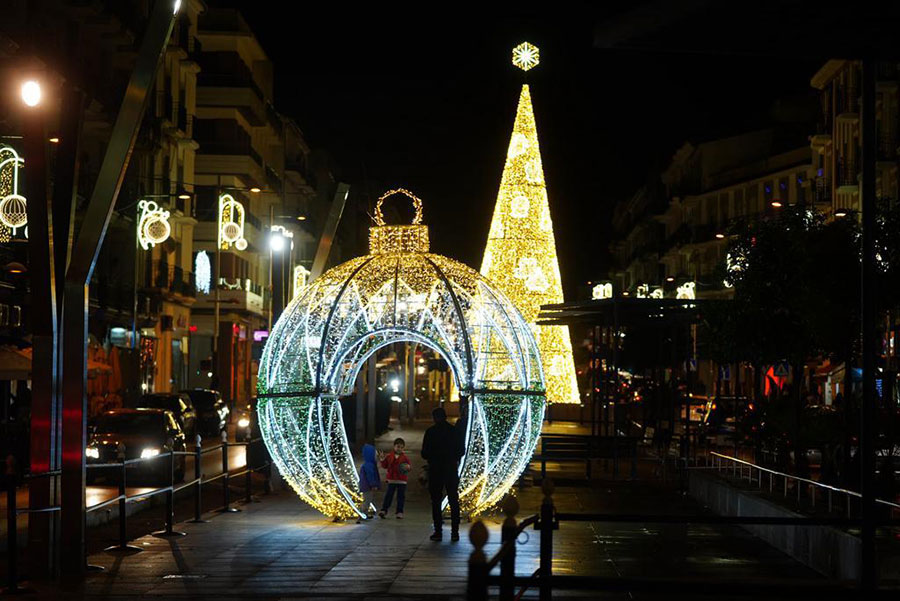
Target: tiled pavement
{"type": "Point", "coordinates": [279, 549]}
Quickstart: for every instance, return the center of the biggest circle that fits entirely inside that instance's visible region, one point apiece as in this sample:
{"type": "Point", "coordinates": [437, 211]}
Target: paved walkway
{"type": "Point", "coordinates": [280, 549]}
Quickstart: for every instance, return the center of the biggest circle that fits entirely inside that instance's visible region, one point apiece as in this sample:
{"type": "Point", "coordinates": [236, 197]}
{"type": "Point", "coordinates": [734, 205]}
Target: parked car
{"type": "Point", "coordinates": [178, 403]}
{"type": "Point", "coordinates": [145, 433]}
{"type": "Point", "coordinates": [211, 410]}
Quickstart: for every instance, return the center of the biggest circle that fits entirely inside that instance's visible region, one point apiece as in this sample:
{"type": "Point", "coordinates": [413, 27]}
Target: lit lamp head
{"type": "Point", "coordinates": [31, 93]}
{"type": "Point", "coordinates": [276, 241]}
{"type": "Point", "coordinates": [413, 238]}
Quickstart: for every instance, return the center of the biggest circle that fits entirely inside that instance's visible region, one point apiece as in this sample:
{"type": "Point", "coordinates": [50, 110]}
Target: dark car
{"type": "Point", "coordinates": [179, 404]}
{"type": "Point", "coordinates": [145, 433]}
{"type": "Point", "coordinates": [211, 410]}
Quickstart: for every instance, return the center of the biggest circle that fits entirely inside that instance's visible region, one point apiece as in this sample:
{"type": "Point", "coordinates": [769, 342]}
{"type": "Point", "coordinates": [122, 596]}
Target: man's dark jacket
{"type": "Point", "coordinates": [442, 447]}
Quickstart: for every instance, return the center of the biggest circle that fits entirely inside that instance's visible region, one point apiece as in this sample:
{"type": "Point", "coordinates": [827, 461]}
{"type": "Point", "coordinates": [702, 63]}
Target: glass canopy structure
{"type": "Point", "coordinates": [399, 292]}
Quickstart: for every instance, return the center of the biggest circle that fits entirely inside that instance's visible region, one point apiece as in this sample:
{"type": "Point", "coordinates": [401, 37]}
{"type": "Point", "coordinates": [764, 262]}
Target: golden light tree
{"type": "Point", "coordinates": [520, 257]}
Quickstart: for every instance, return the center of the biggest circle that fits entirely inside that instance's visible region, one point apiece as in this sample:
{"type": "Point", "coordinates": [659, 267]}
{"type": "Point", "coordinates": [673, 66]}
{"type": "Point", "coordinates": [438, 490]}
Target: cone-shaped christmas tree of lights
{"type": "Point", "coordinates": [520, 257]}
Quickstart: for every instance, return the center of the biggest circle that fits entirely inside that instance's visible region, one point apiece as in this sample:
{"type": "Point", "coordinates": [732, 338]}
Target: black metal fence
{"type": "Point", "coordinates": [122, 499]}
{"type": "Point", "coordinates": [481, 576]}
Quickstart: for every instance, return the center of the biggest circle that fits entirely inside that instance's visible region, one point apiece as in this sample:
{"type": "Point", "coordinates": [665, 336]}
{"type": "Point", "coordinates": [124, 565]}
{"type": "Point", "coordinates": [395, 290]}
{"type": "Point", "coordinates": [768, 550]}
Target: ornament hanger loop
{"type": "Point", "coordinates": [417, 204]}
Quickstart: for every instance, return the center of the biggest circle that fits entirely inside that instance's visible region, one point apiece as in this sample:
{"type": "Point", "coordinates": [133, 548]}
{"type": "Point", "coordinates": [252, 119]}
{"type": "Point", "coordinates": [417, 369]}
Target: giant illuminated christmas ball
{"type": "Point", "coordinates": [398, 292]}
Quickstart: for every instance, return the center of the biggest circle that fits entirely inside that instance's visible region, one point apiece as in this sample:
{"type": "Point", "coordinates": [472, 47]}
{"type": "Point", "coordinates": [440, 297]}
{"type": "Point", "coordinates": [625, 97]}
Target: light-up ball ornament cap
{"type": "Point", "coordinates": [399, 292]}
{"type": "Point", "coordinates": [398, 238]}
{"type": "Point", "coordinates": [526, 56]}
{"type": "Point", "coordinates": [153, 224]}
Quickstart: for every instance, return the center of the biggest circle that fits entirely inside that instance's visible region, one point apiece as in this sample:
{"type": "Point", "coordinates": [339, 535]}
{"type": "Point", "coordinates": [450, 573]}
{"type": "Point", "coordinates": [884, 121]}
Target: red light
{"type": "Point", "coordinates": [235, 329]}
{"type": "Point", "coordinates": [192, 329]}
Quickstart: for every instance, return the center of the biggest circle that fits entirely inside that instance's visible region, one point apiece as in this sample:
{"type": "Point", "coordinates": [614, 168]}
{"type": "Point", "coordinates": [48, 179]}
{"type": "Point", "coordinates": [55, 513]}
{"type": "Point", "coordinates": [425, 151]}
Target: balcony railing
{"type": "Point", "coordinates": [171, 278]}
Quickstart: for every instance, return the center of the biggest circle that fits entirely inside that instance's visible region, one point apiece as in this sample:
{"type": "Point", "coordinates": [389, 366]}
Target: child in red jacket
{"type": "Point", "coordinates": [398, 467]}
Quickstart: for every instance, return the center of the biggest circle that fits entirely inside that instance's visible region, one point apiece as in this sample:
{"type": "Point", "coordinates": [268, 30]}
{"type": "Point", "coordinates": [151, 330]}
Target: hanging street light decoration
{"type": "Point", "coordinates": [13, 213]}
{"type": "Point", "coordinates": [231, 223]}
{"type": "Point", "coordinates": [687, 291]}
{"type": "Point", "coordinates": [602, 291]}
{"type": "Point", "coordinates": [399, 292]}
{"type": "Point", "coordinates": [153, 224]}
{"type": "Point", "coordinates": [202, 272]}
{"type": "Point", "coordinates": [520, 255]}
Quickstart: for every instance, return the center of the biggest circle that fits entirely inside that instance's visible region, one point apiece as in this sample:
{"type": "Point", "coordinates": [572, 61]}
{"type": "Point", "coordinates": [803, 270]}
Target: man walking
{"type": "Point", "coordinates": [442, 447]}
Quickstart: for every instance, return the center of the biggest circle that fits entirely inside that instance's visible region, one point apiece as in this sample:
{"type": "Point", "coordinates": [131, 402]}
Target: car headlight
{"type": "Point", "coordinates": [149, 453]}
{"type": "Point", "coordinates": [92, 452]}
{"type": "Point", "coordinates": [243, 422]}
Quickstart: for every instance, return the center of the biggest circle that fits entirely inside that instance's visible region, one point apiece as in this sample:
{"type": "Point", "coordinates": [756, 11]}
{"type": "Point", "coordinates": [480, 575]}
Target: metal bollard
{"type": "Point", "coordinates": [123, 546]}
{"type": "Point", "coordinates": [226, 492]}
{"type": "Point", "coordinates": [477, 588]}
{"type": "Point", "coordinates": [198, 486]}
{"type": "Point", "coordinates": [508, 561]}
{"type": "Point", "coordinates": [12, 543]}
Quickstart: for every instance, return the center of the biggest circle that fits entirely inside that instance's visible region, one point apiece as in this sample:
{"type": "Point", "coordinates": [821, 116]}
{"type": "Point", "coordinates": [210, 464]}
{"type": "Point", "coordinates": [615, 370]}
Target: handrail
{"type": "Point", "coordinates": [505, 547]}
{"type": "Point", "coordinates": [851, 493]}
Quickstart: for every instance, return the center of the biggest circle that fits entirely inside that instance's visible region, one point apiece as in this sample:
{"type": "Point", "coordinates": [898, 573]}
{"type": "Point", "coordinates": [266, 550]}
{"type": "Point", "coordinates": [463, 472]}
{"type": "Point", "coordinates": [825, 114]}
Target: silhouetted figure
{"type": "Point", "coordinates": [442, 447]}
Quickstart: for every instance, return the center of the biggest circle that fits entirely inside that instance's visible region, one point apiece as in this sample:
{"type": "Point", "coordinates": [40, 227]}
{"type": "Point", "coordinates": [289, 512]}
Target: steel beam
{"type": "Point", "coordinates": [331, 224]}
{"type": "Point", "coordinates": [78, 275]}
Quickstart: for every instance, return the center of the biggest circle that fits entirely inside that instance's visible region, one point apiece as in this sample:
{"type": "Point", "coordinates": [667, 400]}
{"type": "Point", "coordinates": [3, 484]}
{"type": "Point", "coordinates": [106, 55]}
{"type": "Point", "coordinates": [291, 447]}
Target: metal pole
{"type": "Point", "coordinates": [248, 475]}
{"type": "Point", "coordinates": [123, 546]}
{"type": "Point", "coordinates": [869, 571]}
{"type": "Point", "coordinates": [198, 487]}
{"type": "Point", "coordinates": [546, 547]}
{"type": "Point", "coordinates": [45, 399]}
{"type": "Point", "coordinates": [215, 346]}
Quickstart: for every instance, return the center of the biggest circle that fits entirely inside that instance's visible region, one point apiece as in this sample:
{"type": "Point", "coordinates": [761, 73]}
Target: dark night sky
{"type": "Point", "coordinates": [428, 103]}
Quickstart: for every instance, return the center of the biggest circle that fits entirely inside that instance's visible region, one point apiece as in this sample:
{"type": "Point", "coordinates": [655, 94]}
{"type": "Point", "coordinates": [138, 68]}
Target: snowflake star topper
{"type": "Point", "coordinates": [526, 56]}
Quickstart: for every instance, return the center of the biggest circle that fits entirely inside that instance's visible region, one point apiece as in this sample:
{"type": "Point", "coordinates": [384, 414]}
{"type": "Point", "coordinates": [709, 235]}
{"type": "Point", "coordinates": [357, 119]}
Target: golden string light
{"type": "Point", "coordinates": [520, 256]}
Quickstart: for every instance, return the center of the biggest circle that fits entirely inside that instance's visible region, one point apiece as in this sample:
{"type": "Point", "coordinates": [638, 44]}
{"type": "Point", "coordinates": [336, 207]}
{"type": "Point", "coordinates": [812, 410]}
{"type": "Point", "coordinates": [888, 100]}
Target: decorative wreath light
{"type": "Point", "coordinates": [687, 291]}
{"type": "Point", "coordinates": [202, 272]}
{"type": "Point", "coordinates": [13, 206]}
{"type": "Point", "coordinates": [153, 224]}
{"type": "Point", "coordinates": [398, 292]}
{"type": "Point", "coordinates": [231, 223]}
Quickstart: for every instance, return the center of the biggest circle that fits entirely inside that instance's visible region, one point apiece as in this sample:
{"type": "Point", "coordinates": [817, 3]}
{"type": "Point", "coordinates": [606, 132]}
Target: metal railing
{"type": "Point", "coordinates": [122, 499]}
{"type": "Point", "coordinates": [12, 514]}
{"type": "Point", "coordinates": [783, 483]}
{"type": "Point", "coordinates": [481, 578]}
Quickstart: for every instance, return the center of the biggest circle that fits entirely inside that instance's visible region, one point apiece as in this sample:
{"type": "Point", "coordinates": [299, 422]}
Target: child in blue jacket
{"type": "Point", "coordinates": [369, 480]}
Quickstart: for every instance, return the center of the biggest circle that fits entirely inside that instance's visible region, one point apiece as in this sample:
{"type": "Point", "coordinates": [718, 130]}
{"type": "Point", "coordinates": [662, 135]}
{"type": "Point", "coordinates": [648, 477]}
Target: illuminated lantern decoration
{"type": "Point", "coordinates": [13, 206]}
{"type": "Point", "coordinates": [643, 291]}
{"type": "Point", "coordinates": [687, 291]}
{"type": "Point", "coordinates": [231, 223]}
{"type": "Point", "coordinates": [202, 272]}
{"type": "Point", "coordinates": [520, 255]}
{"type": "Point", "coordinates": [656, 293]}
{"type": "Point", "coordinates": [602, 291]}
{"type": "Point", "coordinates": [301, 277]}
{"type": "Point", "coordinates": [399, 292]}
{"type": "Point", "coordinates": [153, 224]}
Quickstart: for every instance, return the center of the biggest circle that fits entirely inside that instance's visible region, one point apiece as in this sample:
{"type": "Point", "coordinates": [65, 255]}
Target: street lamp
{"type": "Point", "coordinates": [776, 204]}
{"type": "Point", "coordinates": [31, 93]}
{"type": "Point", "coordinates": [276, 241]}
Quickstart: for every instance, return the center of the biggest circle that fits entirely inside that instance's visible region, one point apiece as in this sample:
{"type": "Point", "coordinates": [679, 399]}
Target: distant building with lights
{"type": "Point", "coordinates": [261, 160]}
{"type": "Point", "coordinates": [674, 229]}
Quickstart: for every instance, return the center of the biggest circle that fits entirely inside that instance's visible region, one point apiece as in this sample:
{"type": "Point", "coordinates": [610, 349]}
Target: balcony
{"type": "Point", "coordinates": [227, 92]}
{"type": "Point", "coordinates": [170, 279]}
{"type": "Point", "coordinates": [236, 295]}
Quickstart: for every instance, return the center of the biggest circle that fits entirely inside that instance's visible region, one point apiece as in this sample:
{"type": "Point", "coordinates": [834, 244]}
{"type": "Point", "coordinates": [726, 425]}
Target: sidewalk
{"type": "Point", "coordinates": [281, 549]}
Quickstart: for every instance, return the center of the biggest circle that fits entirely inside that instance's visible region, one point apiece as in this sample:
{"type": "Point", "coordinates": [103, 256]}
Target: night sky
{"type": "Point", "coordinates": [427, 103]}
